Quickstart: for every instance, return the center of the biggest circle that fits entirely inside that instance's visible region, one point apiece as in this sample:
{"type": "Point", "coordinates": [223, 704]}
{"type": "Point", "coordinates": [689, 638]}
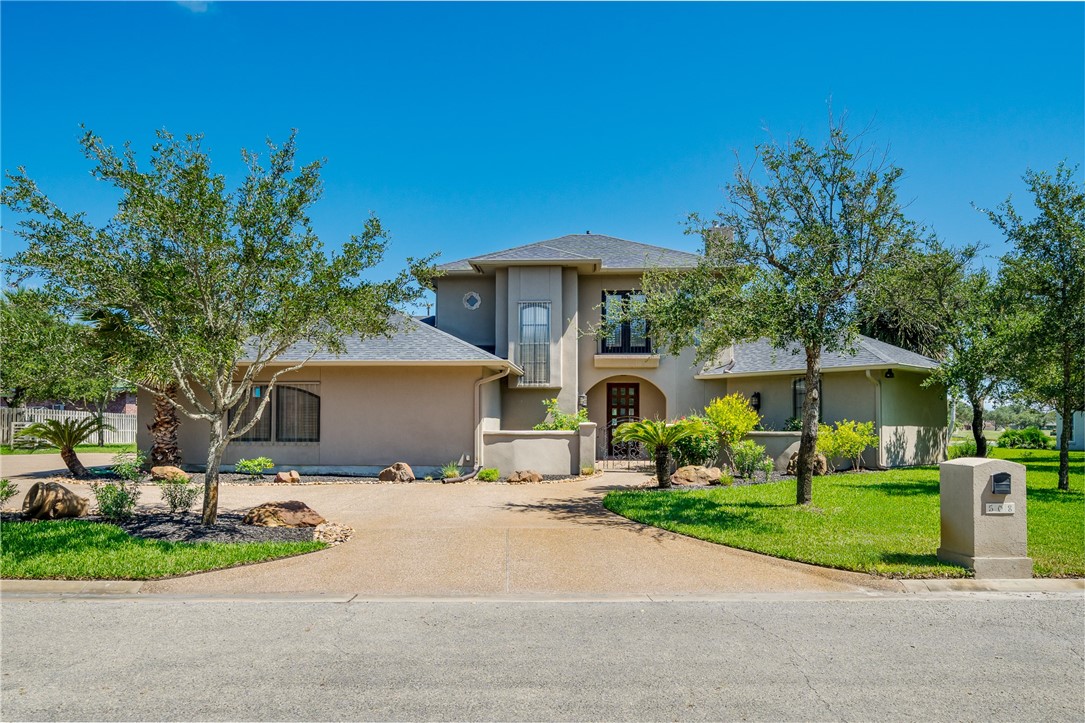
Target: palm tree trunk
{"type": "Point", "coordinates": [663, 455]}
{"type": "Point", "coordinates": [163, 429]}
{"type": "Point", "coordinates": [71, 461]}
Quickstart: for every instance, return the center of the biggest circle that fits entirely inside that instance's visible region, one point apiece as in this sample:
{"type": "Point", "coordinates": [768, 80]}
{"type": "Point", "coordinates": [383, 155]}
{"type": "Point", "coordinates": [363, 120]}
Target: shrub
{"type": "Point", "coordinates": [966, 448]}
{"type": "Point", "coordinates": [116, 500]}
{"type": "Point", "coordinates": [66, 435]}
{"type": "Point", "coordinates": [1027, 438]}
{"type": "Point", "coordinates": [129, 465]}
{"type": "Point", "coordinates": [768, 467]}
{"type": "Point", "coordinates": [748, 456]}
{"type": "Point", "coordinates": [845, 439]}
{"type": "Point", "coordinates": [559, 420]}
{"type": "Point", "coordinates": [7, 491]}
{"type": "Point", "coordinates": [253, 467]}
{"type": "Point", "coordinates": [489, 474]}
{"type": "Point", "coordinates": [450, 470]}
{"type": "Point", "coordinates": [587, 470]}
{"type": "Point", "coordinates": [726, 480]}
{"type": "Point", "coordinates": [793, 424]}
{"type": "Point", "coordinates": [701, 448]}
{"type": "Point", "coordinates": [178, 493]}
{"type": "Point", "coordinates": [733, 418]}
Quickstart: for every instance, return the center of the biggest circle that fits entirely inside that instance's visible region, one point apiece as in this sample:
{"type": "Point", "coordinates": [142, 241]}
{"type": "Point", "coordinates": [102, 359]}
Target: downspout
{"type": "Point", "coordinates": [478, 414]}
{"type": "Point", "coordinates": [877, 417]}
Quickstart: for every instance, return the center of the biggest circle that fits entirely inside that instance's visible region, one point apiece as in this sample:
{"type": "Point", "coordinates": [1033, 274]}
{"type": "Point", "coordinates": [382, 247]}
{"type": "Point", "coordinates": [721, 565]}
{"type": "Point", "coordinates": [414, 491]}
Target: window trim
{"type": "Point", "coordinates": [625, 331]}
{"type": "Point", "coordinates": [532, 376]}
{"type": "Point", "coordinates": [271, 414]}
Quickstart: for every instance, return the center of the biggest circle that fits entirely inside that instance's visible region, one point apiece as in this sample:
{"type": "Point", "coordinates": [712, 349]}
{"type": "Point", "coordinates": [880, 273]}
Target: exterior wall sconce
{"type": "Point", "coordinates": [755, 401]}
{"type": "Point", "coordinates": [582, 401]}
{"type": "Point", "coordinates": [889, 374]}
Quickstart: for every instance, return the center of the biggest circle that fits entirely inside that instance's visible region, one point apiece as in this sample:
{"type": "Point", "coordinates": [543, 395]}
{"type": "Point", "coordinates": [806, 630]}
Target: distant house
{"type": "Point", "coordinates": [510, 331]}
{"type": "Point", "coordinates": [1077, 433]}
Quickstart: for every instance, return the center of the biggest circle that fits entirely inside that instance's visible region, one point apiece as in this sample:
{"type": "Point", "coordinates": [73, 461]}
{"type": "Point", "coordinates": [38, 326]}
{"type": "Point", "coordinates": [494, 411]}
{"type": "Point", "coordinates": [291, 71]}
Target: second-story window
{"type": "Point", "coordinates": [534, 347]}
{"type": "Point", "coordinates": [629, 336]}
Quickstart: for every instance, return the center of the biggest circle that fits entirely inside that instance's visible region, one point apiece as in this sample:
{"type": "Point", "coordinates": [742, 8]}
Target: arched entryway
{"type": "Point", "coordinates": [621, 398]}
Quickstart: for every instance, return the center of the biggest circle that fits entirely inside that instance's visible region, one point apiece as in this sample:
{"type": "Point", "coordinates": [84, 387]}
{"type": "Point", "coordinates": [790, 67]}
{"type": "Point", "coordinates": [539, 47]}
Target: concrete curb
{"type": "Point", "coordinates": [45, 590]}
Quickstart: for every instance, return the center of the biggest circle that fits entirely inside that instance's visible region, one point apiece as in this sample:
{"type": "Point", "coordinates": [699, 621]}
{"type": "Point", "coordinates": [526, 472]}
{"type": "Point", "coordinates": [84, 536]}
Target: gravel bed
{"type": "Point", "coordinates": [757, 479]}
{"type": "Point", "coordinates": [268, 480]}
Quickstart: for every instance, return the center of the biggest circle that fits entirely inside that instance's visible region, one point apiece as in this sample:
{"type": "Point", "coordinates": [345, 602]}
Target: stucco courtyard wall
{"type": "Point", "coordinates": [546, 452]}
{"type": "Point", "coordinates": [369, 417]}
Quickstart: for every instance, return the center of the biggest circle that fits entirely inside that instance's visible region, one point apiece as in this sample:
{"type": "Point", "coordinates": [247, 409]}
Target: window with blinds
{"type": "Point", "coordinates": [261, 431]}
{"type": "Point", "coordinates": [534, 348]}
{"type": "Point", "coordinates": [798, 395]}
{"type": "Point", "coordinates": [297, 412]}
{"type": "Point", "coordinates": [293, 414]}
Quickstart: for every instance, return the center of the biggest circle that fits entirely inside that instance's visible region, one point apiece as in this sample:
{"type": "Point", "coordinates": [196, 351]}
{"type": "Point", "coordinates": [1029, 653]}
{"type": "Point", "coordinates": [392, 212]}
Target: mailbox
{"type": "Point", "coordinates": [1000, 483]}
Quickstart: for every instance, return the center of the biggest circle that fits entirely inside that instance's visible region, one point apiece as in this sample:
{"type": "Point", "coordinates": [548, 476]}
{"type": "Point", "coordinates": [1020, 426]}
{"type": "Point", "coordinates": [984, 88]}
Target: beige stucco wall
{"type": "Point", "coordinates": [678, 392]}
{"type": "Point", "coordinates": [536, 283]}
{"type": "Point", "coordinates": [914, 420]}
{"type": "Point", "coordinates": [369, 416]}
{"type": "Point", "coordinates": [543, 452]}
{"type": "Point", "coordinates": [475, 326]}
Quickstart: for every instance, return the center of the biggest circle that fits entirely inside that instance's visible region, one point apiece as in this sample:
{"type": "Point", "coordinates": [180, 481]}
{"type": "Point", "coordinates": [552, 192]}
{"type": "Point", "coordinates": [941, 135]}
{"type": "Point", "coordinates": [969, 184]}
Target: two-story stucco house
{"type": "Point", "coordinates": [510, 332]}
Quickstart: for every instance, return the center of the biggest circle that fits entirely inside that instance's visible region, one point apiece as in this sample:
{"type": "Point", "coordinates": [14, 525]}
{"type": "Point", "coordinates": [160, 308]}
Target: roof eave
{"type": "Point", "coordinates": [826, 370]}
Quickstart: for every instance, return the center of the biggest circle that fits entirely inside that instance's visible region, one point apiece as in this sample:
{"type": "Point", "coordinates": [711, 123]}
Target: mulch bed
{"type": "Point", "coordinates": [187, 528]}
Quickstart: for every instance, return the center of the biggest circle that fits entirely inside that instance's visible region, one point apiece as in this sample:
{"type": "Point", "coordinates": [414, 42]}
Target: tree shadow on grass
{"type": "Point", "coordinates": [908, 489]}
{"type": "Point", "coordinates": [673, 510]}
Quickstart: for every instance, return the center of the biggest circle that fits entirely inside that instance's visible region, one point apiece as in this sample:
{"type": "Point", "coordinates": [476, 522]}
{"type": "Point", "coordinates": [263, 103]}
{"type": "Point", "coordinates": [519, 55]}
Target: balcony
{"type": "Point", "coordinates": [627, 347]}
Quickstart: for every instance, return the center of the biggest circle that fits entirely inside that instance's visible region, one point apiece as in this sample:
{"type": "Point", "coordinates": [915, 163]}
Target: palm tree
{"type": "Point", "coordinates": [67, 435]}
{"type": "Point", "coordinates": [658, 436]}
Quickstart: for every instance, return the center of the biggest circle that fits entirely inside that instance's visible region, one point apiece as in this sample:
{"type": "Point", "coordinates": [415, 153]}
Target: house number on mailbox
{"type": "Point", "coordinates": [999, 508]}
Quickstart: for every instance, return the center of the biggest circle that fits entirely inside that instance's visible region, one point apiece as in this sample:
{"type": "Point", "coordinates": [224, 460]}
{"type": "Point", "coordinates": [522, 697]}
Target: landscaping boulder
{"type": "Point", "coordinates": [821, 465]}
{"type": "Point", "coordinates": [290, 513]}
{"type": "Point", "coordinates": [398, 472]}
{"type": "Point", "coordinates": [524, 477]}
{"type": "Point", "coordinates": [166, 473]}
{"type": "Point", "coordinates": [696, 475]}
{"type": "Point", "coordinates": [291, 477]}
{"type": "Point", "coordinates": [52, 501]}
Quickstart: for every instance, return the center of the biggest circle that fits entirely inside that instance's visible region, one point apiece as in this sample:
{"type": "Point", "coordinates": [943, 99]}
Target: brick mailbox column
{"type": "Point", "coordinates": [984, 517]}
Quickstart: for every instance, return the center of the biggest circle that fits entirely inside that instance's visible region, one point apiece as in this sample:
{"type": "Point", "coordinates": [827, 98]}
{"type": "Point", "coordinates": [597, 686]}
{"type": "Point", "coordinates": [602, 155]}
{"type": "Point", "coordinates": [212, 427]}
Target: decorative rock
{"type": "Point", "coordinates": [286, 477]}
{"type": "Point", "coordinates": [294, 476]}
{"type": "Point", "coordinates": [696, 475]}
{"type": "Point", "coordinates": [821, 465]}
{"type": "Point", "coordinates": [398, 472]}
{"type": "Point", "coordinates": [332, 533]}
{"type": "Point", "coordinates": [290, 513]}
{"type": "Point", "coordinates": [524, 476]}
{"type": "Point", "coordinates": [167, 472]}
{"type": "Point", "coordinates": [51, 501]}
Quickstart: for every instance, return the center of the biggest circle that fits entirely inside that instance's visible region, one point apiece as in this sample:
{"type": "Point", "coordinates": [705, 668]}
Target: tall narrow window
{"type": "Point", "coordinates": [261, 431]}
{"type": "Point", "coordinates": [629, 336]}
{"type": "Point", "coordinates": [534, 347]}
{"type": "Point", "coordinates": [297, 412]}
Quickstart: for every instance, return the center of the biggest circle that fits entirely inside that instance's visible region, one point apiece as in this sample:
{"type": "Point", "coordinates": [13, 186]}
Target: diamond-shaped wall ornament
{"type": "Point", "coordinates": [472, 300]}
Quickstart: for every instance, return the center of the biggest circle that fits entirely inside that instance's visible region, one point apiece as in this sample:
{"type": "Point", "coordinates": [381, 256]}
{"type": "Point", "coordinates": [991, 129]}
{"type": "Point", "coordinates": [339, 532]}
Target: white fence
{"type": "Point", "coordinates": [123, 432]}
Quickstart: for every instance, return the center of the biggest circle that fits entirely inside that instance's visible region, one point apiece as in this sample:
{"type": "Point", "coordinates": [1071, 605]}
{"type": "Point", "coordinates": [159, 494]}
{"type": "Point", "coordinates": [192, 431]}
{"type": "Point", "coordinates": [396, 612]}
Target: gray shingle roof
{"type": "Point", "coordinates": [412, 341]}
{"type": "Point", "coordinates": [761, 357]}
{"type": "Point", "coordinates": [615, 253]}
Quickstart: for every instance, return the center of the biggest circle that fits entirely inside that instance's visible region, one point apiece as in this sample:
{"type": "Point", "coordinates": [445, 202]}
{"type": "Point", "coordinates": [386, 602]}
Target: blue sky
{"type": "Point", "coordinates": [470, 128]}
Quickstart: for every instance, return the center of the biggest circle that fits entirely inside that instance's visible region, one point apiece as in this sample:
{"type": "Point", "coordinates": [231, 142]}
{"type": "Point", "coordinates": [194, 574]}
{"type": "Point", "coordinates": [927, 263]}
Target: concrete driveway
{"type": "Point", "coordinates": [430, 539]}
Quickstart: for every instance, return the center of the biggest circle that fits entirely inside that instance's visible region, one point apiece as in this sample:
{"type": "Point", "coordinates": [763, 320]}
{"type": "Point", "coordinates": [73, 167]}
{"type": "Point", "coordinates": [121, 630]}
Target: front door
{"type": "Point", "coordinates": [623, 405]}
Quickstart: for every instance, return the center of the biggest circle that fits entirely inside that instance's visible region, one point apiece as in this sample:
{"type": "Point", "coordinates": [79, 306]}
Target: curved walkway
{"type": "Point", "coordinates": [428, 539]}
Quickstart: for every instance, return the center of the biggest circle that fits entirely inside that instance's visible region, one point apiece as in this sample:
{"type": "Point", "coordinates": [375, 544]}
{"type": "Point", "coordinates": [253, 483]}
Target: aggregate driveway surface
{"type": "Point", "coordinates": [430, 539]}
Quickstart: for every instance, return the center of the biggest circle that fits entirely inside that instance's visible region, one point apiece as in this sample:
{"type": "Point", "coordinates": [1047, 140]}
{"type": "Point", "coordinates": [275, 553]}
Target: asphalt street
{"type": "Point", "coordinates": [949, 657]}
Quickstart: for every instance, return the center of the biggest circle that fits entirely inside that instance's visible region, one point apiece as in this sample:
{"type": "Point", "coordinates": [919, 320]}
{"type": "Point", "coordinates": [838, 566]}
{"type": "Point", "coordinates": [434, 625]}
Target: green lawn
{"type": "Point", "coordinates": [86, 448]}
{"type": "Point", "coordinates": [886, 523]}
{"type": "Point", "coordinates": [82, 550]}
